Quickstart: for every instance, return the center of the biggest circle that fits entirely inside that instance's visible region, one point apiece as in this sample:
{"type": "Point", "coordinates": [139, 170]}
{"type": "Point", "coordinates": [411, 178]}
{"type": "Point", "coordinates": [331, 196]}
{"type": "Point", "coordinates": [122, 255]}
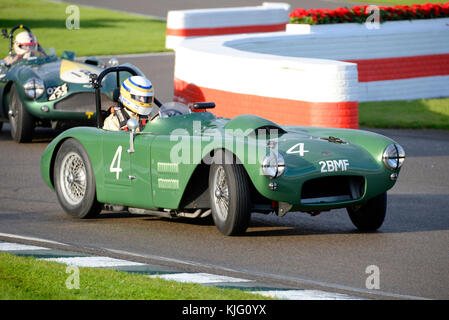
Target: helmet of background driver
{"type": "Point", "coordinates": [25, 42]}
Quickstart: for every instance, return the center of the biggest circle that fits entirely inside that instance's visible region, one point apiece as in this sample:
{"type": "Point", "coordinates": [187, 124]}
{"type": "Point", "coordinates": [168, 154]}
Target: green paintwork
{"type": "Point", "coordinates": [160, 181]}
{"type": "Point", "coordinates": [48, 70]}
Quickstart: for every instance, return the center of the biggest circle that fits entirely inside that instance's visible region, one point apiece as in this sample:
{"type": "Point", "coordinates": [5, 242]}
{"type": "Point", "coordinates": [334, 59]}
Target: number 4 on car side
{"type": "Point", "coordinates": [195, 165]}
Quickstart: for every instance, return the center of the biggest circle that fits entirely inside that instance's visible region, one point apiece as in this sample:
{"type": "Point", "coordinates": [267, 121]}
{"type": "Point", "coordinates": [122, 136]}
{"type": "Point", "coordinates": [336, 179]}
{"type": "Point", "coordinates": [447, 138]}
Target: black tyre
{"type": "Point", "coordinates": [75, 181]}
{"type": "Point", "coordinates": [371, 215]}
{"type": "Point", "coordinates": [230, 198]}
{"type": "Point", "coordinates": [20, 121]}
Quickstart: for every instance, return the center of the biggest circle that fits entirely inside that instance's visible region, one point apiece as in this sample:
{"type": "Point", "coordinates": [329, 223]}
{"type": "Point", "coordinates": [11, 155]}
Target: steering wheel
{"type": "Point", "coordinates": [172, 112]}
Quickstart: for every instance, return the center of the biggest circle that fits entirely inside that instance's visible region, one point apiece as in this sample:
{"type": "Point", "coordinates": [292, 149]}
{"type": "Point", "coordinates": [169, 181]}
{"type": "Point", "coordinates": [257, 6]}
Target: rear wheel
{"type": "Point", "coordinates": [371, 215]}
{"type": "Point", "coordinates": [20, 121]}
{"type": "Point", "coordinates": [75, 182]}
{"type": "Point", "coordinates": [230, 198]}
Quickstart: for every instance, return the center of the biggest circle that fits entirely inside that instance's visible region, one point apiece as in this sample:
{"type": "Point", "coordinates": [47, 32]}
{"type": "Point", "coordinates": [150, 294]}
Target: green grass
{"type": "Point", "coordinates": [101, 32]}
{"type": "Point", "coordinates": [26, 278]}
{"type": "Point", "coordinates": [416, 114]}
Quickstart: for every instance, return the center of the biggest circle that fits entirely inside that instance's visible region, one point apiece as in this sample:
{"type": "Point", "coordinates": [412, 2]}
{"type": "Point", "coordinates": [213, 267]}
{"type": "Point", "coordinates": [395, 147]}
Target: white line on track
{"type": "Point", "coordinates": [9, 246]}
{"type": "Point", "coordinates": [201, 278]}
{"type": "Point", "coordinates": [94, 262]}
{"type": "Point", "coordinates": [305, 295]}
{"type": "Point", "coordinates": [16, 236]}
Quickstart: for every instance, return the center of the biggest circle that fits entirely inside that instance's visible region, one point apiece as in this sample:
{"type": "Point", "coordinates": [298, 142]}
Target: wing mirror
{"type": "Point", "coordinates": [132, 125]}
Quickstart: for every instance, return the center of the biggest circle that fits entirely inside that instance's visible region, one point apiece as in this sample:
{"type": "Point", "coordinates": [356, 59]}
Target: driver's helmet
{"type": "Point", "coordinates": [25, 42]}
{"type": "Point", "coordinates": [136, 94]}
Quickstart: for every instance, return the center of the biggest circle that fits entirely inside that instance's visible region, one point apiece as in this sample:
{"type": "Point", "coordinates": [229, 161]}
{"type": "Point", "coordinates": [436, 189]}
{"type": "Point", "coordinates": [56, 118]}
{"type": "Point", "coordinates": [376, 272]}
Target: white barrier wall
{"type": "Point", "coordinates": [181, 24]}
{"type": "Point", "coordinates": [315, 75]}
{"type": "Point", "coordinates": [401, 60]}
{"type": "Point", "coordinates": [286, 90]}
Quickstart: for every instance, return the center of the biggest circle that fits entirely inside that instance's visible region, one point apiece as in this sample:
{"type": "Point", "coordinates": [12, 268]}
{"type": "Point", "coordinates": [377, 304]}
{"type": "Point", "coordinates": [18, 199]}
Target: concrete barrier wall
{"type": "Point", "coordinates": [401, 60]}
{"type": "Point", "coordinates": [315, 75]}
{"type": "Point", "coordinates": [301, 91]}
{"type": "Point", "coordinates": [182, 24]}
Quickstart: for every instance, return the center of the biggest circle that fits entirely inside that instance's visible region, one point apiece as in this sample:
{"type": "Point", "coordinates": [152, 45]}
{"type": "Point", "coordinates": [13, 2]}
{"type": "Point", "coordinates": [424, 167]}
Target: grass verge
{"type": "Point", "coordinates": [101, 31]}
{"type": "Point", "coordinates": [416, 114]}
{"type": "Point", "coordinates": [26, 278]}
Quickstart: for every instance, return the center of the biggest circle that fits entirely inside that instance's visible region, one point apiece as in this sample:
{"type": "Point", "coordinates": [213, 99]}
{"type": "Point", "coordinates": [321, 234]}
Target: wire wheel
{"type": "Point", "coordinates": [13, 113]}
{"type": "Point", "coordinates": [75, 181]}
{"type": "Point", "coordinates": [20, 121]}
{"type": "Point", "coordinates": [230, 196]}
{"type": "Point", "coordinates": [221, 194]}
{"type": "Point", "coordinates": [73, 178]}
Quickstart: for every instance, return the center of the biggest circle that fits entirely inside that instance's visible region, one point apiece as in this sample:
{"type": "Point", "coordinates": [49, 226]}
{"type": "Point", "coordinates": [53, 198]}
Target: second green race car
{"type": "Point", "coordinates": [37, 88]}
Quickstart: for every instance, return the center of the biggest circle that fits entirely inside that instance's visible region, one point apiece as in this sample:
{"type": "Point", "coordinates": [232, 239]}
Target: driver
{"type": "Point", "coordinates": [136, 101]}
{"type": "Point", "coordinates": [25, 45]}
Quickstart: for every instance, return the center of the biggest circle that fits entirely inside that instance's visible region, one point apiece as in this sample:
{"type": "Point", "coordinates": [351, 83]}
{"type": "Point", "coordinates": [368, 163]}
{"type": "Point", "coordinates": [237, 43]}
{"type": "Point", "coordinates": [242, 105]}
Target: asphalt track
{"type": "Point", "coordinates": [159, 8]}
{"type": "Point", "coordinates": [323, 252]}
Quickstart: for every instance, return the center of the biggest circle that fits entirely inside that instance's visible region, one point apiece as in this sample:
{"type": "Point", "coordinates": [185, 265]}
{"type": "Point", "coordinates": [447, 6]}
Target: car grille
{"type": "Point", "coordinates": [83, 102]}
{"type": "Point", "coordinates": [332, 189]}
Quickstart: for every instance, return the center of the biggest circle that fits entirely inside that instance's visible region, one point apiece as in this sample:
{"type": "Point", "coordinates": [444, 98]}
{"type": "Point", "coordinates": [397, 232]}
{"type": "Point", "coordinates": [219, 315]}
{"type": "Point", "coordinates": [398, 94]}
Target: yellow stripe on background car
{"type": "Point", "coordinates": [76, 72]}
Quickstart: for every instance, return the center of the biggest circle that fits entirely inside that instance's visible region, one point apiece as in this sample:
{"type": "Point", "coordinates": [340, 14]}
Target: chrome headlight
{"type": "Point", "coordinates": [273, 165]}
{"type": "Point", "coordinates": [34, 88]}
{"type": "Point", "coordinates": [393, 156]}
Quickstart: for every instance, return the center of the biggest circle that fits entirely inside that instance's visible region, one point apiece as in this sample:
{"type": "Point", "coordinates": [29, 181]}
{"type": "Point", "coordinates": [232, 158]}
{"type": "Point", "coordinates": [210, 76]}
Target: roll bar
{"type": "Point", "coordinates": [11, 33]}
{"type": "Point", "coordinates": [96, 81]}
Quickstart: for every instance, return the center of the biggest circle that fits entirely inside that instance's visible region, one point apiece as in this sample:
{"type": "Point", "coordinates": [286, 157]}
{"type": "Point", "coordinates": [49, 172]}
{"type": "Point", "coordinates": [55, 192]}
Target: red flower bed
{"type": "Point", "coordinates": [361, 13]}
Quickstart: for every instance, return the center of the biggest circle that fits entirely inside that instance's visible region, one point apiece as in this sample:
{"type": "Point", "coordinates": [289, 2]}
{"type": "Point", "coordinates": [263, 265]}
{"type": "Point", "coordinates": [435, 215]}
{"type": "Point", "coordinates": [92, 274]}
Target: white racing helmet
{"type": "Point", "coordinates": [136, 94]}
{"type": "Point", "coordinates": [25, 42]}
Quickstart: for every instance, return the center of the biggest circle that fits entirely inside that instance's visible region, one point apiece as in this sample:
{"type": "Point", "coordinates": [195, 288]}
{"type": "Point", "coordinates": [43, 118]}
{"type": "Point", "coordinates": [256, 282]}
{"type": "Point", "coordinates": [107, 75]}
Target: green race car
{"type": "Point", "coordinates": [193, 164]}
{"type": "Point", "coordinates": [44, 90]}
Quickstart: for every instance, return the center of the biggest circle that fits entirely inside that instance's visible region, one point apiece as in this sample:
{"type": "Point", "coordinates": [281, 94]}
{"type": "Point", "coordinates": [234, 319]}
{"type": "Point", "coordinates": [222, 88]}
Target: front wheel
{"type": "Point", "coordinates": [230, 198]}
{"type": "Point", "coordinates": [20, 121]}
{"type": "Point", "coordinates": [75, 182]}
{"type": "Point", "coordinates": [371, 215]}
